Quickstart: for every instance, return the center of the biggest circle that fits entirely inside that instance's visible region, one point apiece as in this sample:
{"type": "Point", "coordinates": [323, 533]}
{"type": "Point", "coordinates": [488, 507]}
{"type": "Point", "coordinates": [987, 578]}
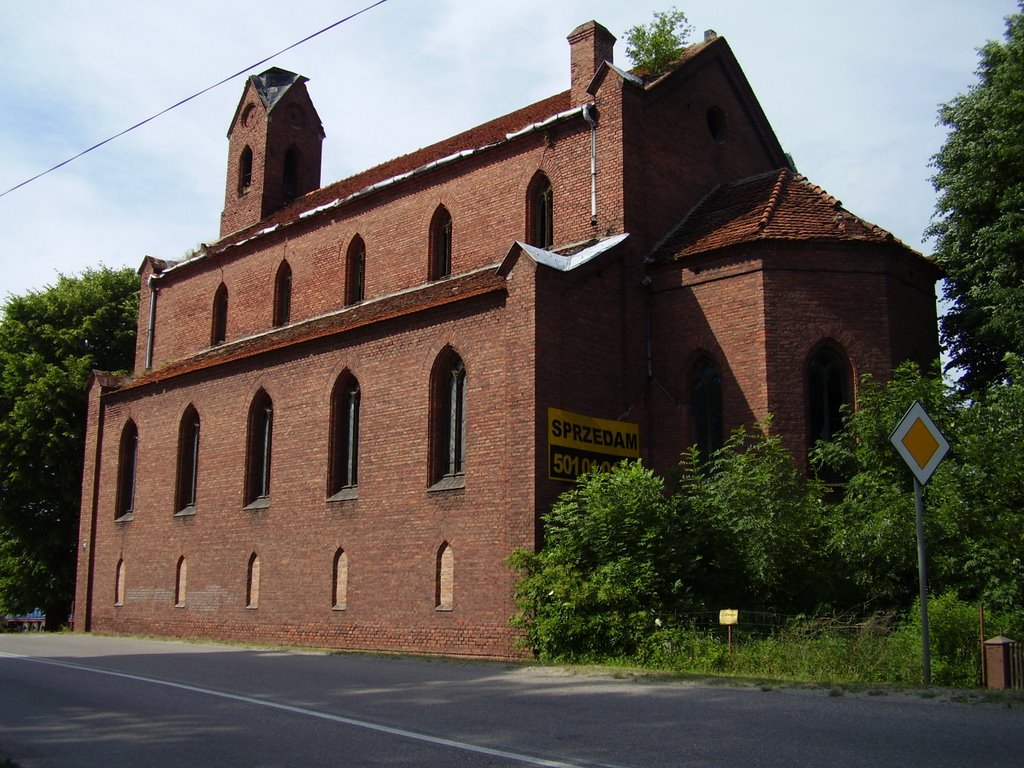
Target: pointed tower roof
{"type": "Point", "coordinates": [272, 84]}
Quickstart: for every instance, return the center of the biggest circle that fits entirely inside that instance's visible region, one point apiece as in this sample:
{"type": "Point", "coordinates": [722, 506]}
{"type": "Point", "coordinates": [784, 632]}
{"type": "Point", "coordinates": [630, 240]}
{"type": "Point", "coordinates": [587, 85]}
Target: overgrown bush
{"type": "Point", "coordinates": [655, 47]}
{"type": "Point", "coordinates": [953, 629]}
{"type": "Point", "coordinates": [614, 560]}
{"type": "Point", "coordinates": [624, 551]}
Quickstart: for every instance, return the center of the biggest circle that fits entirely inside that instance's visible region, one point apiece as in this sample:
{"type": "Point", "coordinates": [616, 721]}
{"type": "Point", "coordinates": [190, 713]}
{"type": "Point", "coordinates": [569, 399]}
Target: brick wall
{"type": "Point", "coordinates": [486, 197]}
{"type": "Point", "coordinates": [616, 338]}
{"type": "Point", "coordinates": [393, 530]}
{"type": "Point", "coordinates": [760, 312]}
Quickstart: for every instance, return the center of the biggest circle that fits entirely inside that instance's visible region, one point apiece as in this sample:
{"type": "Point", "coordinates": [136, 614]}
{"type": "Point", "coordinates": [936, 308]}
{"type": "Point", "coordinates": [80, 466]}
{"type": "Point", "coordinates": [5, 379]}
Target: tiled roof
{"type": "Point", "coordinates": [396, 305]}
{"type": "Point", "coordinates": [483, 135]}
{"type": "Point", "coordinates": [779, 205]}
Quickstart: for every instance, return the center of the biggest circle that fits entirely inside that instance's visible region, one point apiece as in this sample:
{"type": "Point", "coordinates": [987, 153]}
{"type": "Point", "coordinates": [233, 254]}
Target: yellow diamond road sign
{"type": "Point", "coordinates": [919, 442]}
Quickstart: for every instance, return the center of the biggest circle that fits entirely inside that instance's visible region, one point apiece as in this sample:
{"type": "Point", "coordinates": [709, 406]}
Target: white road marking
{"type": "Point", "coordinates": [365, 724]}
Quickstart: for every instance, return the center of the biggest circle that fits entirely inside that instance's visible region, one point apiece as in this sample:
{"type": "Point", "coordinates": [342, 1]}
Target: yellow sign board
{"type": "Point", "coordinates": [729, 616]}
{"type": "Point", "coordinates": [578, 443]}
{"type": "Point", "coordinates": [919, 442]}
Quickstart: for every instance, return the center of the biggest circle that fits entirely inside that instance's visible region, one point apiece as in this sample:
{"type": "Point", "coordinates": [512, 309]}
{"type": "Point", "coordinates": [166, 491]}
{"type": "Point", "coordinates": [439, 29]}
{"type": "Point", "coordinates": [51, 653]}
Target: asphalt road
{"type": "Point", "coordinates": [80, 700]}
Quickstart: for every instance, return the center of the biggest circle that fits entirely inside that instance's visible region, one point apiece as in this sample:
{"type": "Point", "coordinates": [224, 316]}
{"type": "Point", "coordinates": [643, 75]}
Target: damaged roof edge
{"type": "Point", "coordinates": [557, 261]}
{"type": "Point", "coordinates": [384, 184]}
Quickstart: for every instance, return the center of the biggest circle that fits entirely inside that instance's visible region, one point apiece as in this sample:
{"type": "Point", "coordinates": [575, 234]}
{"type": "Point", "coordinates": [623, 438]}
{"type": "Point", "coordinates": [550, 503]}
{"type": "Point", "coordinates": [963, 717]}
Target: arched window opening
{"type": "Point", "coordinates": [119, 577]}
{"type": "Point", "coordinates": [245, 170]}
{"type": "Point", "coordinates": [283, 294]}
{"type": "Point", "coordinates": [706, 408]}
{"type": "Point", "coordinates": [355, 272]}
{"type": "Point", "coordinates": [219, 326]}
{"type": "Point", "coordinates": [440, 244]}
{"type": "Point", "coordinates": [828, 390]}
{"type": "Point", "coordinates": [127, 469]}
{"type": "Point", "coordinates": [449, 419]}
{"type": "Point", "coordinates": [252, 582]}
{"type": "Point", "coordinates": [181, 583]}
{"type": "Point", "coordinates": [344, 448]}
{"type": "Point", "coordinates": [717, 124]}
{"type": "Point", "coordinates": [339, 590]}
{"type": "Point", "coordinates": [259, 450]}
{"type": "Point", "coordinates": [290, 176]}
{"type": "Point", "coordinates": [188, 462]}
{"type": "Point", "coordinates": [540, 216]}
{"type": "Point", "coordinates": [444, 587]}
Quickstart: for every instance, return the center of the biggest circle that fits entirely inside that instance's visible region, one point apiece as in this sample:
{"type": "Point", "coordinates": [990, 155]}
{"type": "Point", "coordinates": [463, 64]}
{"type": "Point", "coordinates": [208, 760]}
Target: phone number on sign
{"type": "Point", "coordinates": [567, 464]}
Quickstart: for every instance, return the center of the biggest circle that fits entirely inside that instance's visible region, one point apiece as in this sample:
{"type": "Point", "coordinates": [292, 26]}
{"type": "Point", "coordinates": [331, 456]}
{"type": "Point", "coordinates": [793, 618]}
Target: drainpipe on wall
{"type": "Point", "coordinates": [152, 321]}
{"type": "Point", "coordinates": [591, 118]}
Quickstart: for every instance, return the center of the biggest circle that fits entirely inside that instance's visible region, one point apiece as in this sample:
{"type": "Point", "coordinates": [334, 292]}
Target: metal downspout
{"type": "Point", "coordinates": [152, 321]}
{"type": "Point", "coordinates": [591, 118]}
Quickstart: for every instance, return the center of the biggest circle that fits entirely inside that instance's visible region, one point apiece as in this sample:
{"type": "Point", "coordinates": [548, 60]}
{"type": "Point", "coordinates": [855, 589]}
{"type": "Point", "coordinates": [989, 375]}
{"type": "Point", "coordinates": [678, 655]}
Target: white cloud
{"type": "Point", "coordinates": [851, 90]}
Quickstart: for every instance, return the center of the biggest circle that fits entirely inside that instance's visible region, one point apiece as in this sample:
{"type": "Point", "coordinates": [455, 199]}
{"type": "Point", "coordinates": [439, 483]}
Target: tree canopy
{"type": "Point", "coordinates": [979, 224]}
{"type": "Point", "coordinates": [627, 551]}
{"type": "Point", "coordinates": [655, 47]}
{"type": "Point", "coordinates": [622, 555]}
{"type": "Point", "coordinates": [50, 341]}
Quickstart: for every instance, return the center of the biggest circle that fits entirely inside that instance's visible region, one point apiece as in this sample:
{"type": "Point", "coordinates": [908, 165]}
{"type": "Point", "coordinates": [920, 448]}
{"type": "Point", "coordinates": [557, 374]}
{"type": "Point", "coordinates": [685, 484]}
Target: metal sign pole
{"type": "Point", "coordinates": [922, 446]}
{"type": "Point", "coordinates": [922, 574]}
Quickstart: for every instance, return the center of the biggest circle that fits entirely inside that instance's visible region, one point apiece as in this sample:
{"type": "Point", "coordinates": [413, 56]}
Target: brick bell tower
{"type": "Point", "coordinates": [274, 149]}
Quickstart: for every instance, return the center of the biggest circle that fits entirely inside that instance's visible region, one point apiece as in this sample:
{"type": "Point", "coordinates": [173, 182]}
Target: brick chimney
{"type": "Point", "coordinates": [590, 45]}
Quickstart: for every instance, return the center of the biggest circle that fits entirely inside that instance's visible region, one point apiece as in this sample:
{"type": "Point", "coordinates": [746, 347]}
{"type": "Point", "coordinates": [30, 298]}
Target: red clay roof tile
{"type": "Point", "coordinates": [779, 205]}
{"type": "Point", "coordinates": [481, 136]}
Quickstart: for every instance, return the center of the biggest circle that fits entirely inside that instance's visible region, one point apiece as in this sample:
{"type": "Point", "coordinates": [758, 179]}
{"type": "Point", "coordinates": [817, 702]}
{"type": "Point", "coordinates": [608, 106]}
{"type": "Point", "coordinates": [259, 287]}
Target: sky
{"type": "Point", "coordinates": [851, 89]}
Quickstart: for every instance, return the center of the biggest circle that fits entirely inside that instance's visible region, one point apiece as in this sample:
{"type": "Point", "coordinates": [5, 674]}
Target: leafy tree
{"type": "Point", "coordinates": [656, 47]}
{"type": "Point", "coordinates": [756, 523]}
{"type": "Point", "coordinates": [979, 229]}
{"type": "Point", "coordinates": [978, 498]}
{"type": "Point", "coordinates": [620, 558]}
{"type": "Point", "coordinates": [50, 340]}
{"type": "Point", "coordinates": [974, 503]}
{"type": "Point", "coordinates": [614, 562]}
{"type": "Point", "coordinates": [872, 532]}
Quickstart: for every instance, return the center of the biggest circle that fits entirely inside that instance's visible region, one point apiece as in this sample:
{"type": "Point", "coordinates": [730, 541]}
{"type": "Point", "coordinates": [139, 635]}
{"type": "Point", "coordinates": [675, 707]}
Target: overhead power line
{"type": "Point", "coordinates": [194, 96]}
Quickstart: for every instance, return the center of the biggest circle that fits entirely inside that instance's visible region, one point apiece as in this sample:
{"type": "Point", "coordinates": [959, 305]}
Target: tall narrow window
{"type": "Point", "coordinates": [828, 390]}
{"type": "Point", "coordinates": [259, 450]}
{"type": "Point", "coordinates": [449, 414]}
{"type": "Point", "coordinates": [181, 583]}
{"type": "Point", "coordinates": [339, 590]}
{"type": "Point", "coordinates": [245, 171]}
{"type": "Point", "coordinates": [444, 587]}
{"type": "Point", "coordinates": [188, 462]}
{"type": "Point", "coordinates": [119, 577]}
{"type": "Point", "coordinates": [344, 449]}
{"type": "Point", "coordinates": [456, 419]}
{"type": "Point", "coordinates": [440, 244]}
{"type": "Point", "coordinates": [355, 271]}
{"type": "Point", "coordinates": [219, 326]}
{"type": "Point", "coordinates": [540, 210]}
{"type": "Point", "coordinates": [252, 582]}
{"type": "Point", "coordinates": [127, 469]}
{"type": "Point", "coordinates": [283, 294]}
{"type": "Point", "coordinates": [290, 176]}
{"type": "Point", "coordinates": [706, 407]}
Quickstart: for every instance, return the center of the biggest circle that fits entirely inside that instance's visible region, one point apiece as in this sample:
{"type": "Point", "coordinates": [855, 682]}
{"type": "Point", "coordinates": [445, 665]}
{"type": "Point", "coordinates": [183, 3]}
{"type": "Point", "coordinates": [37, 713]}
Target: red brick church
{"type": "Point", "coordinates": [349, 410]}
